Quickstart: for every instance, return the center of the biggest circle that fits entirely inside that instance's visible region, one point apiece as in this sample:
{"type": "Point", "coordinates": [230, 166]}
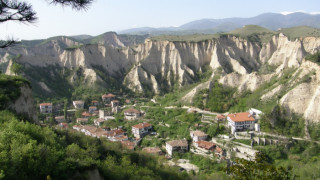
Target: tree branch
{"type": "Point", "coordinates": [75, 4]}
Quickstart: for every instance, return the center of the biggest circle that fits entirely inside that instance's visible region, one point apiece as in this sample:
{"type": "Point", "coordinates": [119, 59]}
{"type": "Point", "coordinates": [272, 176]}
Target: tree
{"type": "Point", "coordinates": [16, 68]}
{"type": "Point", "coordinates": [260, 168]}
{"type": "Point", "coordinates": [13, 10]}
{"type": "Point", "coordinates": [65, 104]}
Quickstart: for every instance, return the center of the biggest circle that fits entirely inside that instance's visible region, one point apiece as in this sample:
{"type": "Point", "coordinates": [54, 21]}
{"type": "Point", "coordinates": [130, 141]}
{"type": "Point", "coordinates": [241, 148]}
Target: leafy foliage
{"type": "Point", "coordinates": [28, 151]}
{"type": "Point", "coordinates": [220, 98]}
{"type": "Point", "coordinates": [260, 168]}
{"type": "Point", "coordinates": [10, 89]}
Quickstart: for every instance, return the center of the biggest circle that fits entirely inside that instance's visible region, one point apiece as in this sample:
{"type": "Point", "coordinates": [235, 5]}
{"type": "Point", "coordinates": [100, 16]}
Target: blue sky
{"type": "Point", "coordinates": [115, 15]}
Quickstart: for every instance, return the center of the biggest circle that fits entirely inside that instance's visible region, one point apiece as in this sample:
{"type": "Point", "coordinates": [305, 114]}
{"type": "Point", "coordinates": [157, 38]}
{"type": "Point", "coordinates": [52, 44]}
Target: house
{"type": "Point", "coordinates": [152, 150]}
{"type": "Point", "coordinates": [205, 146]}
{"type": "Point", "coordinates": [103, 114]}
{"type": "Point", "coordinates": [131, 114]}
{"type": "Point", "coordinates": [86, 114]}
{"type": "Point", "coordinates": [92, 109]}
{"type": "Point", "coordinates": [95, 103]}
{"type": "Point", "coordinates": [116, 135]}
{"type": "Point", "coordinates": [78, 104]}
{"type": "Point", "coordinates": [107, 98]}
{"type": "Point", "coordinates": [46, 108]}
{"type": "Point", "coordinates": [198, 135]}
{"type": "Point", "coordinates": [60, 119]}
{"type": "Point", "coordinates": [219, 152]}
{"type": "Point", "coordinates": [240, 121]}
{"type": "Point", "coordinates": [127, 101]}
{"type": "Point", "coordinates": [82, 120]}
{"type": "Point", "coordinates": [99, 121]}
{"type": "Point", "coordinates": [139, 130]}
{"type": "Point", "coordinates": [115, 103]}
{"type": "Point", "coordinates": [176, 145]}
{"type": "Point", "coordinates": [220, 117]}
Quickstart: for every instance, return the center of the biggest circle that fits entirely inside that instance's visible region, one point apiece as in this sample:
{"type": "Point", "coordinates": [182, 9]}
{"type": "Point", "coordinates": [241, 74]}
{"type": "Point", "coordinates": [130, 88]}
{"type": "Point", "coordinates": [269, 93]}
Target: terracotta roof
{"type": "Point", "coordinates": [178, 143]}
{"type": "Point", "coordinates": [132, 111]}
{"type": "Point", "coordinates": [82, 119]}
{"type": "Point", "coordinates": [206, 145]}
{"type": "Point", "coordinates": [241, 117]}
{"type": "Point", "coordinates": [220, 116]}
{"type": "Point", "coordinates": [86, 114]}
{"type": "Point", "coordinates": [115, 101]}
{"type": "Point", "coordinates": [93, 107]}
{"type": "Point", "coordinates": [108, 95]}
{"type": "Point", "coordinates": [115, 132]}
{"type": "Point", "coordinates": [218, 149]}
{"type": "Point", "coordinates": [46, 104]}
{"type": "Point", "coordinates": [142, 125]}
{"type": "Point", "coordinates": [94, 101]}
{"type": "Point", "coordinates": [152, 150]}
{"type": "Point", "coordinates": [199, 133]}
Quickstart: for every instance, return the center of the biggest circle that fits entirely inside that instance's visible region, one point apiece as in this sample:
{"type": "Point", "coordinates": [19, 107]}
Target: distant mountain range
{"type": "Point", "coordinates": [273, 21]}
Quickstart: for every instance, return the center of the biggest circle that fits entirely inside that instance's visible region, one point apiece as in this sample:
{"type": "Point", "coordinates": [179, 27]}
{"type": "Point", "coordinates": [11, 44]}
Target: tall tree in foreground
{"type": "Point", "coordinates": [20, 11]}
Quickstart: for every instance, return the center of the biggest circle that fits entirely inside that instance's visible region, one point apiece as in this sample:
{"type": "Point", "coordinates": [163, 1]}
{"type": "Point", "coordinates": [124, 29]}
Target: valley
{"type": "Point", "coordinates": [193, 105]}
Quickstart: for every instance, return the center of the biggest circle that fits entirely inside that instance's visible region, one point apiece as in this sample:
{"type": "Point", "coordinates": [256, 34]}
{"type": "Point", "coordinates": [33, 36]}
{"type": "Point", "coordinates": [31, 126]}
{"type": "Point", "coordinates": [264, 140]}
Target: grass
{"type": "Point", "coordinates": [300, 32]}
{"type": "Point", "coordinates": [185, 38]}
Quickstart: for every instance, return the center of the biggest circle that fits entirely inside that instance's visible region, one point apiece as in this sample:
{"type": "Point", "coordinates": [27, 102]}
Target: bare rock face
{"type": "Point", "coordinates": [158, 66]}
{"type": "Point", "coordinates": [25, 104]}
{"type": "Point", "coordinates": [304, 99]}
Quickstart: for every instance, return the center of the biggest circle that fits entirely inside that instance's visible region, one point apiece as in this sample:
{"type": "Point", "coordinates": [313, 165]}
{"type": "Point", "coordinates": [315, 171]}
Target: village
{"type": "Point", "coordinates": [243, 130]}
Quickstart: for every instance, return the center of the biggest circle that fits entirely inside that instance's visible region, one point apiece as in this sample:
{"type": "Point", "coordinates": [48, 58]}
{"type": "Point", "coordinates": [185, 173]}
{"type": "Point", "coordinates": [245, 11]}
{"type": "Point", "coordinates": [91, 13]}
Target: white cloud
{"type": "Point", "coordinates": [290, 12]}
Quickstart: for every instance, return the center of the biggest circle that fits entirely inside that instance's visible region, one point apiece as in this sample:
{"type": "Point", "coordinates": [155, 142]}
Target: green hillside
{"type": "Point", "coordinates": [300, 32]}
{"type": "Point", "coordinates": [254, 33]}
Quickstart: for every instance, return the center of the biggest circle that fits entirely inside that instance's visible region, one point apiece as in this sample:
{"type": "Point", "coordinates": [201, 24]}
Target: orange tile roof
{"type": "Point", "coordinates": [92, 107]}
{"type": "Point", "coordinates": [115, 101]}
{"type": "Point", "coordinates": [108, 95]}
{"type": "Point", "coordinates": [206, 145]}
{"type": "Point", "coordinates": [46, 104]}
{"type": "Point", "coordinates": [241, 117]}
{"type": "Point", "coordinates": [142, 125]}
{"type": "Point", "coordinates": [86, 114]}
{"type": "Point", "coordinates": [132, 111]}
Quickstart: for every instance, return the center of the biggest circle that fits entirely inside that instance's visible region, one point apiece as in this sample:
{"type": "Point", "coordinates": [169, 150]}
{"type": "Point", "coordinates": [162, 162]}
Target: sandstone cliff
{"type": "Point", "coordinates": [160, 66]}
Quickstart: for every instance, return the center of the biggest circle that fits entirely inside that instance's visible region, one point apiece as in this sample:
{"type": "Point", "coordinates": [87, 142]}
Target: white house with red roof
{"type": "Point", "coordinates": [139, 130]}
{"type": "Point", "coordinates": [240, 121]}
{"type": "Point", "coordinates": [46, 108]}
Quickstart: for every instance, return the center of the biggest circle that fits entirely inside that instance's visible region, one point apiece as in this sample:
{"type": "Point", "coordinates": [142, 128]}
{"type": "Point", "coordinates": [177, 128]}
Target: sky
{"type": "Point", "coordinates": [115, 15]}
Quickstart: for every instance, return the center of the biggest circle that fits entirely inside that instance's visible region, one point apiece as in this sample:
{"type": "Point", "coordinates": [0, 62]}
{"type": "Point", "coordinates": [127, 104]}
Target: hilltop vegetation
{"type": "Point", "coordinates": [300, 32]}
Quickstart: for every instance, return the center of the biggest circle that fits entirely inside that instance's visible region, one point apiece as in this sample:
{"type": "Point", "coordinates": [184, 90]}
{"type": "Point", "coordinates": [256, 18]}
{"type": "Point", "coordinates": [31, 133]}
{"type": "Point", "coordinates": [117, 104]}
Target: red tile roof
{"type": "Point", "coordinates": [132, 111]}
{"type": "Point", "coordinates": [142, 125]}
{"type": "Point", "coordinates": [108, 95]}
{"type": "Point", "coordinates": [206, 145]}
{"type": "Point", "coordinates": [115, 101]}
{"type": "Point", "coordinates": [241, 117]}
{"type": "Point", "coordinates": [86, 114]}
{"type": "Point", "coordinates": [46, 104]}
{"type": "Point", "coordinates": [82, 119]}
{"type": "Point", "coordinates": [93, 107]}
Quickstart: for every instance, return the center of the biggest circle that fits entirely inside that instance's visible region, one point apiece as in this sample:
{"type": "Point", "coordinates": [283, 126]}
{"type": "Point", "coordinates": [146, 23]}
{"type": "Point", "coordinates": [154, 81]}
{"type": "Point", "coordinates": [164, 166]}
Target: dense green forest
{"type": "Point", "coordinates": [28, 151]}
